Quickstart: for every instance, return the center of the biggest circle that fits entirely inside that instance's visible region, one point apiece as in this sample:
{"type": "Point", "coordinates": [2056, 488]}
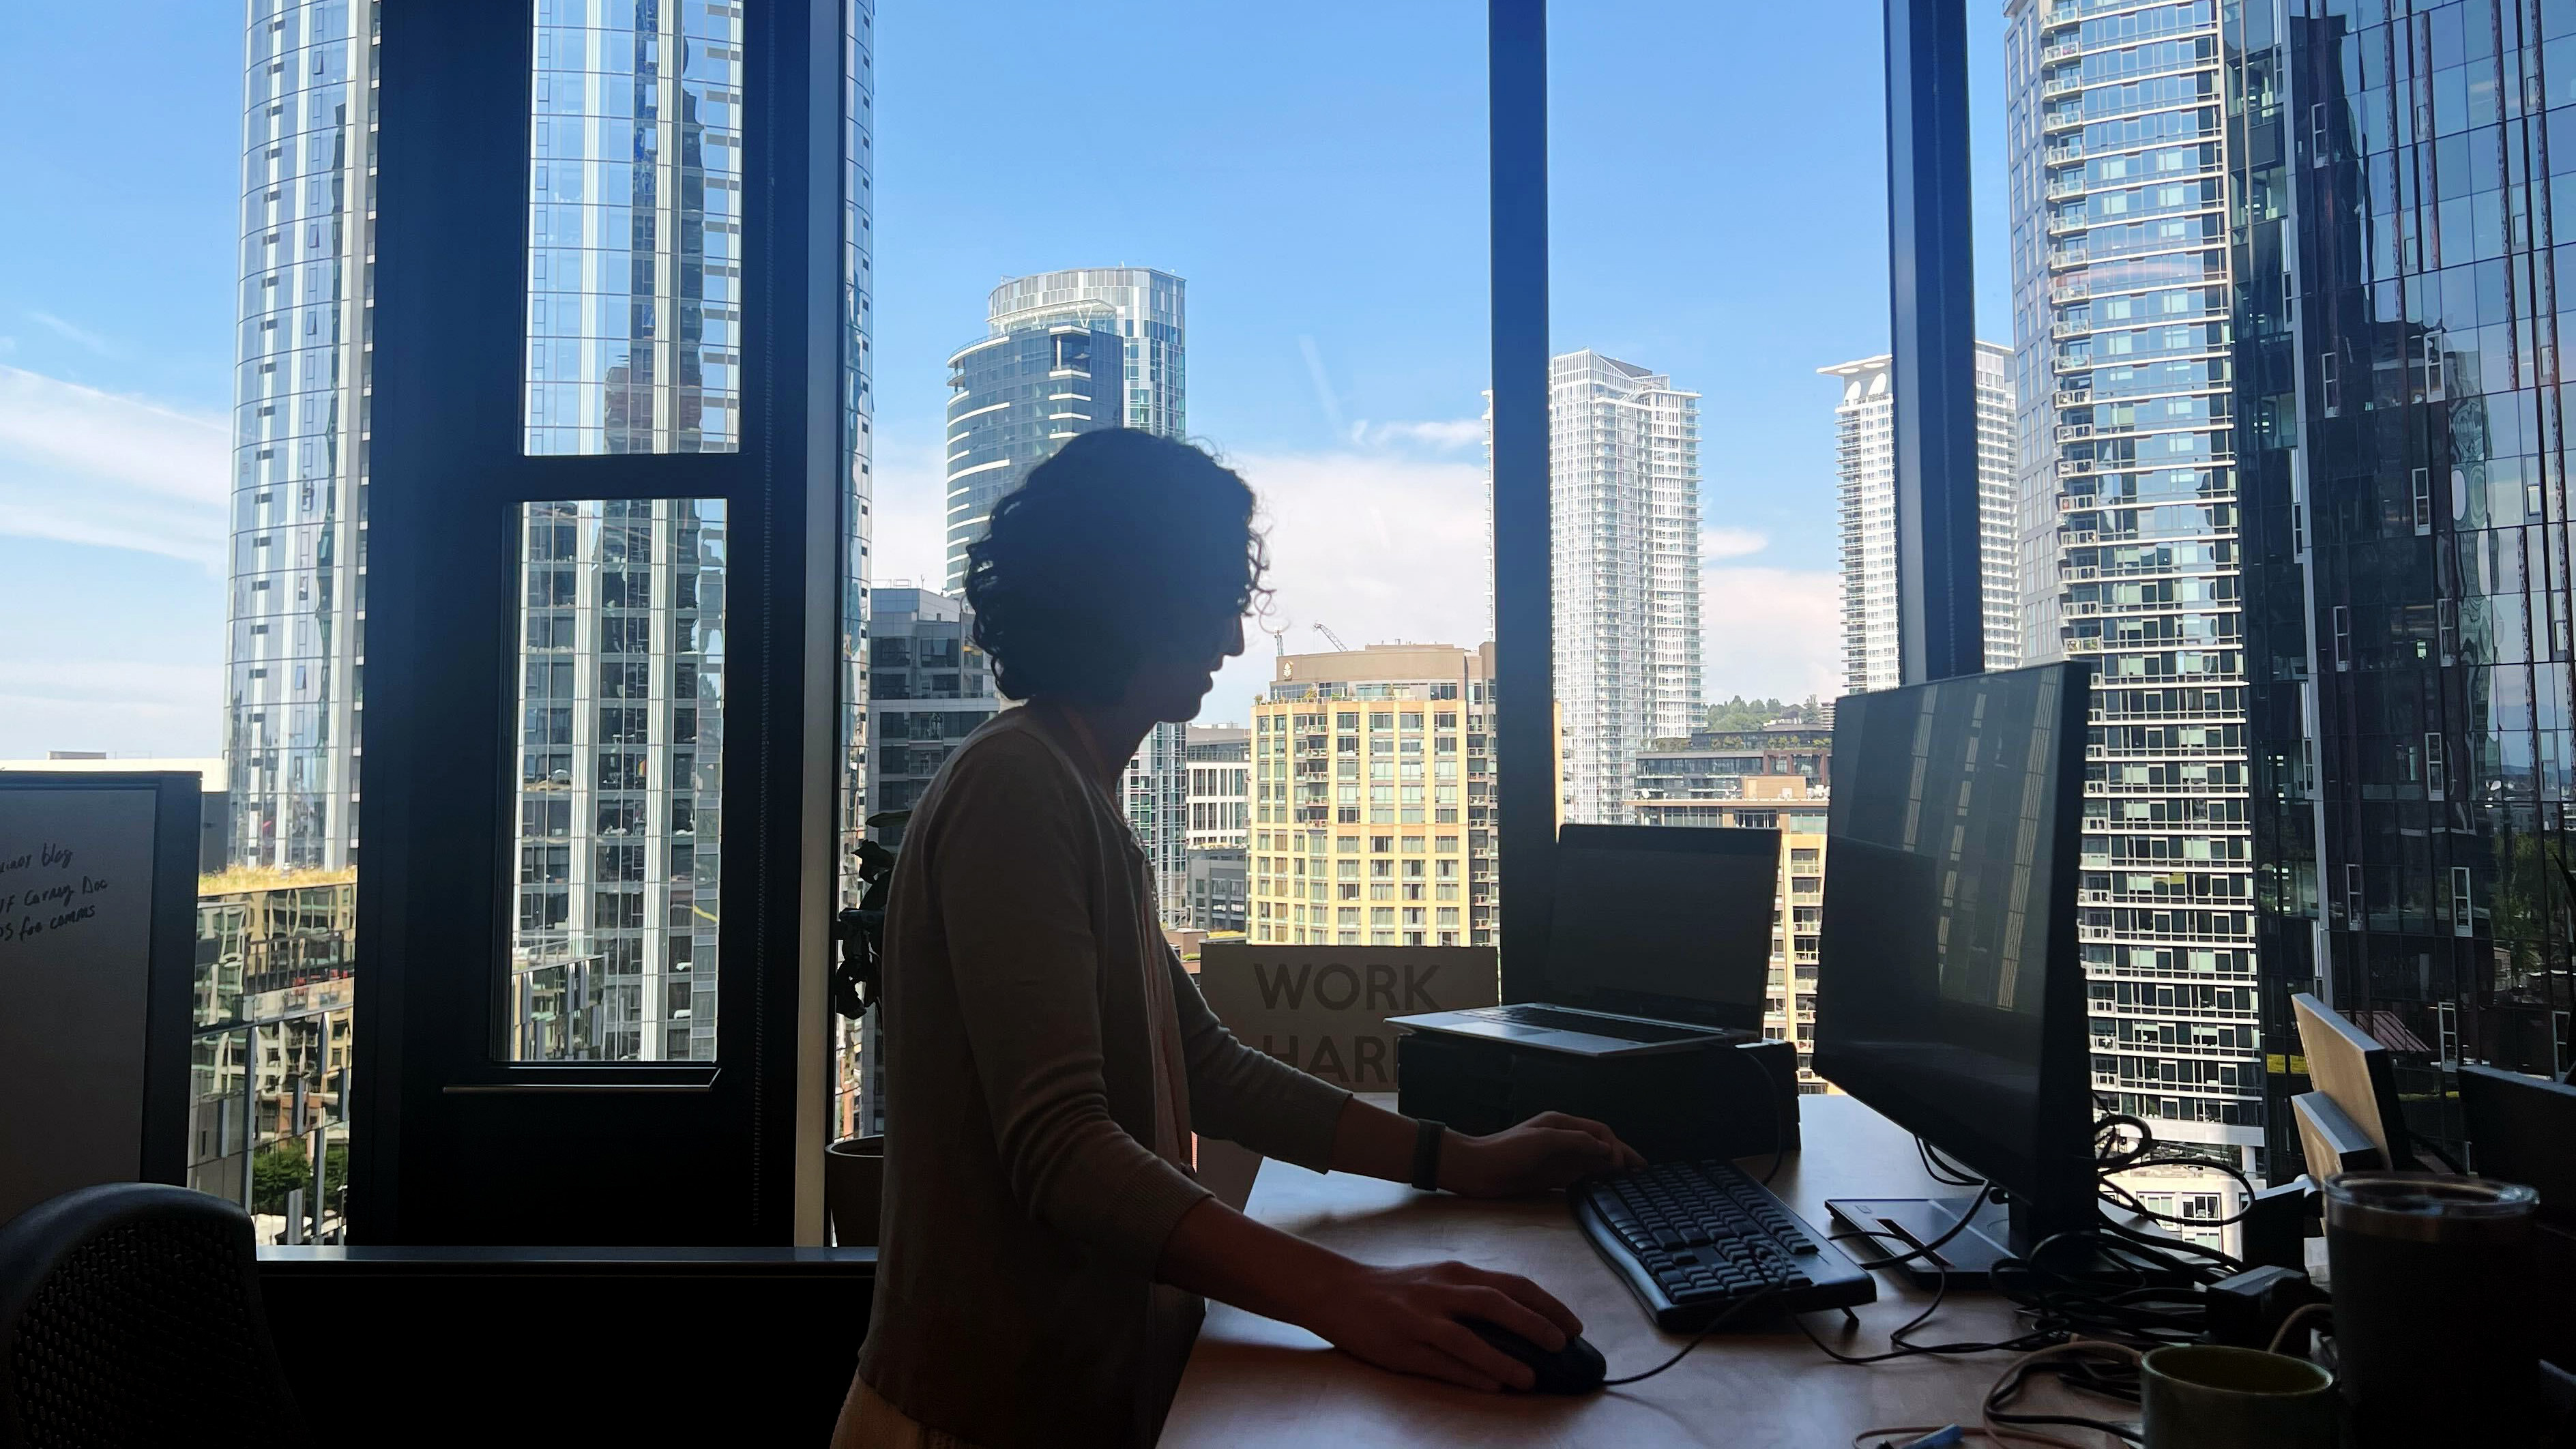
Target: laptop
{"type": "Point", "coordinates": [1661, 942]}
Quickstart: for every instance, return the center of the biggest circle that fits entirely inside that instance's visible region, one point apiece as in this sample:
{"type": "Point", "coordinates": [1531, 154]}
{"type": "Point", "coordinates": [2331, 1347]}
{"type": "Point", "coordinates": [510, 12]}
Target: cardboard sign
{"type": "Point", "coordinates": [1323, 1009]}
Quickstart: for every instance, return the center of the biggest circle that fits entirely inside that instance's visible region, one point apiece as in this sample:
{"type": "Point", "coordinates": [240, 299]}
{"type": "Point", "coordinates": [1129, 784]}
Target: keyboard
{"type": "Point", "coordinates": [1692, 1239]}
{"type": "Point", "coordinates": [1554, 1019]}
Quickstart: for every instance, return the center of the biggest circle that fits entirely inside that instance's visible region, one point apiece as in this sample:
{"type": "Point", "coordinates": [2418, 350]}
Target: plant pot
{"type": "Point", "coordinates": [854, 1189]}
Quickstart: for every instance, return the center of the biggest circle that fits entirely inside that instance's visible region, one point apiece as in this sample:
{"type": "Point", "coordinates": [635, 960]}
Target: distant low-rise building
{"type": "Point", "coordinates": [270, 1037]}
{"type": "Point", "coordinates": [1218, 759]}
{"type": "Point", "coordinates": [928, 688]}
{"type": "Point", "coordinates": [1219, 888]}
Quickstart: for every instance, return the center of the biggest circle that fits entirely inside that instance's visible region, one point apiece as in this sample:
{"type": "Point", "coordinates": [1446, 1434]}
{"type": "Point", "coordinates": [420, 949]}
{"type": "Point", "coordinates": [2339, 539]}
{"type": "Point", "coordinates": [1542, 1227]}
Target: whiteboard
{"type": "Point", "coordinates": [75, 975]}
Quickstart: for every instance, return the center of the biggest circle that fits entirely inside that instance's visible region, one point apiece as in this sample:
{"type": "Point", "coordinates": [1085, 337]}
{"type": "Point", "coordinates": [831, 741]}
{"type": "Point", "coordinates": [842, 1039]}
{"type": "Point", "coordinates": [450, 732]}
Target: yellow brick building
{"type": "Point", "coordinates": [1372, 799]}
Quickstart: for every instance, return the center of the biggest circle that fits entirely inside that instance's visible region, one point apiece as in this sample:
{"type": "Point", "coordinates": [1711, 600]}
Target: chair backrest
{"type": "Point", "coordinates": [130, 1314]}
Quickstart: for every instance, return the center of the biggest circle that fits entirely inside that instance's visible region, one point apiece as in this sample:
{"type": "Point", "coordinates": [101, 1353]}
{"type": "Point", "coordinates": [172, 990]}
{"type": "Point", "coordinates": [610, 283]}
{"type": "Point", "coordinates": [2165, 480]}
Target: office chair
{"type": "Point", "coordinates": [130, 1314]}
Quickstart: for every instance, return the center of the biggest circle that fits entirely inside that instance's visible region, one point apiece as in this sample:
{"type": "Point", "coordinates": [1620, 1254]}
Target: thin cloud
{"type": "Point", "coordinates": [1374, 547]}
{"type": "Point", "coordinates": [1718, 543]}
{"type": "Point", "coordinates": [1444, 434]}
{"type": "Point", "coordinates": [1771, 633]}
{"type": "Point", "coordinates": [120, 706]}
{"type": "Point", "coordinates": [85, 466]}
{"type": "Point", "coordinates": [1380, 546]}
{"type": "Point", "coordinates": [81, 335]}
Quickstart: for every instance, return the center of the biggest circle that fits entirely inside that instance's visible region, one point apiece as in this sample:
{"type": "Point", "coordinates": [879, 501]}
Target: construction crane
{"type": "Point", "coordinates": [1336, 638]}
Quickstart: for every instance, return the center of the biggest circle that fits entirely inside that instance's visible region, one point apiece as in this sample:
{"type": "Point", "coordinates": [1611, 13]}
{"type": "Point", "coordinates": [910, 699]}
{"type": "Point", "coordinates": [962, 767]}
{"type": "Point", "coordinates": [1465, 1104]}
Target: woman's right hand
{"type": "Point", "coordinates": [1408, 1319]}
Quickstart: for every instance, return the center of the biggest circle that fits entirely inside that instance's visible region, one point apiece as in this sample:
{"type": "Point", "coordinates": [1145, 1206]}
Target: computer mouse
{"type": "Point", "coordinates": [1577, 1368]}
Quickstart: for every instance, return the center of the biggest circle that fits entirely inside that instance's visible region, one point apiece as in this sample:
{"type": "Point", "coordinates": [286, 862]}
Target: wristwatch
{"type": "Point", "coordinates": [1426, 1153]}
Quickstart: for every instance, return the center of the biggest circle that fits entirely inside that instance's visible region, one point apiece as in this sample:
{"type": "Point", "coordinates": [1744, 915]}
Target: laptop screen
{"type": "Point", "coordinates": [1664, 921]}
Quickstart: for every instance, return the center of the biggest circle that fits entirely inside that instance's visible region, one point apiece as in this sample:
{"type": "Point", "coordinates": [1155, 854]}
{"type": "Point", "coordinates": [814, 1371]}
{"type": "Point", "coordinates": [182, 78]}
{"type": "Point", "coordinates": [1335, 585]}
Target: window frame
{"type": "Point", "coordinates": [452, 1144]}
{"type": "Point", "coordinates": [1932, 305]}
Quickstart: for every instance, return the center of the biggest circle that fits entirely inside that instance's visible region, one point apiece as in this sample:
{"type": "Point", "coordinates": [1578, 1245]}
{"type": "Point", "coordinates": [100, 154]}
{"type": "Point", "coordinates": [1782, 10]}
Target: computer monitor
{"type": "Point", "coordinates": [1670, 922]}
{"type": "Point", "coordinates": [2359, 1076]}
{"type": "Point", "coordinates": [2523, 1129]}
{"type": "Point", "coordinates": [1949, 986]}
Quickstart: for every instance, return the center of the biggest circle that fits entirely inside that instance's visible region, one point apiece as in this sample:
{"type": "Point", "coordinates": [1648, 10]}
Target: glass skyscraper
{"type": "Point", "coordinates": [634, 217]}
{"type": "Point", "coordinates": [2122, 301]}
{"type": "Point", "coordinates": [296, 615]}
{"type": "Point", "coordinates": [2407, 528]}
{"type": "Point", "coordinates": [1064, 353]}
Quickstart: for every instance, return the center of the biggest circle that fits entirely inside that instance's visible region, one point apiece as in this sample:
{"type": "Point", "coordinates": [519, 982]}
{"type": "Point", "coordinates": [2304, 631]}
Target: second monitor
{"type": "Point", "coordinates": [1950, 991]}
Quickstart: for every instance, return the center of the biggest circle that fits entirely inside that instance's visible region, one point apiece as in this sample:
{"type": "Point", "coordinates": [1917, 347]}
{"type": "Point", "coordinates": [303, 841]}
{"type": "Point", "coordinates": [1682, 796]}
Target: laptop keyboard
{"type": "Point", "coordinates": [1554, 1019]}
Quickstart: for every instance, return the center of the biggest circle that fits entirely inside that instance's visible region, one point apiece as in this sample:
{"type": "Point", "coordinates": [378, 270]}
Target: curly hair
{"type": "Point", "coordinates": [1125, 546]}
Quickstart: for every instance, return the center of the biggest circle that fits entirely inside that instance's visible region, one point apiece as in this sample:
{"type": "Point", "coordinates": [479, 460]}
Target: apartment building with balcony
{"type": "Point", "coordinates": [1373, 799]}
{"type": "Point", "coordinates": [2122, 298]}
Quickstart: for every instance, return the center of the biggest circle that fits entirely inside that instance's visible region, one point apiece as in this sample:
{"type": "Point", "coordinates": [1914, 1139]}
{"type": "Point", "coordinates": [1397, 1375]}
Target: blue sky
{"type": "Point", "coordinates": [1317, 173]}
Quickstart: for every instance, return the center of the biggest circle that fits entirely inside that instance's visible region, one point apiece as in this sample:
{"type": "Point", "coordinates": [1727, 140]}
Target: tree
{"type": "Point", "coordinates": [280, 1168]}
{"type": "Point", "coordinates": [1740, 713]}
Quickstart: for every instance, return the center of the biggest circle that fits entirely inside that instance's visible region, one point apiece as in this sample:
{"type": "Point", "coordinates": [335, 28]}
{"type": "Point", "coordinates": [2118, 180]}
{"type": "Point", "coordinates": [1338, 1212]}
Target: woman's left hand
{"type": "Point", "coordinates": [1548, 1151]}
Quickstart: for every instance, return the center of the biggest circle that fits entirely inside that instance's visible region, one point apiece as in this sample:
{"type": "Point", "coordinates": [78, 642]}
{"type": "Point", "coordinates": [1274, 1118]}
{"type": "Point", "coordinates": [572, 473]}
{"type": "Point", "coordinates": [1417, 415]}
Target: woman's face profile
{"type": "Point", "coordinates": [1170, 686]}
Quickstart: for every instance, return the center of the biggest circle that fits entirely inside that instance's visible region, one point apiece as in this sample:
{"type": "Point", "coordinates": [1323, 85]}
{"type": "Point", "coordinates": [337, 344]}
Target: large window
{"type": "Point", "coordinates": [2260, 420]}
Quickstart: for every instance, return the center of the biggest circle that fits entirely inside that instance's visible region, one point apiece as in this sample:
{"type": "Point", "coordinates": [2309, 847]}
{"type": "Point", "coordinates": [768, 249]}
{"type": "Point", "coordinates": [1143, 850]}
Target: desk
{"type": "Point", "coordinates": [1252, 1381]}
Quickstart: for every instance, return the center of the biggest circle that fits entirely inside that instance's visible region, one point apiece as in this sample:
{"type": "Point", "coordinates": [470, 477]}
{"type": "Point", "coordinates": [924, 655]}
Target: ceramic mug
{"type": "Point", "coordinates": [2210, 1396]}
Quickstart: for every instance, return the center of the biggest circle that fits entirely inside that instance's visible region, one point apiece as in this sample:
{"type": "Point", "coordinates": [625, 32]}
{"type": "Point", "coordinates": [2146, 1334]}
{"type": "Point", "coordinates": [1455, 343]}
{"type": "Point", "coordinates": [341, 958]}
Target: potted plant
{"type": "Point", "coordinates": [854, 1167]}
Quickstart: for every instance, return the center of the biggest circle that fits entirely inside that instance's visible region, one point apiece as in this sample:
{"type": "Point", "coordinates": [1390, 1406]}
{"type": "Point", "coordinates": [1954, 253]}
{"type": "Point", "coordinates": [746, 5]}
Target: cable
{"type": "Point", "coordinates": [2114, 1158]}
{"type": "Point", "coordinates": [2119, 1306]}
{"type": "Point", "coordinates": [1940, 1169]}
{"type": "Point", "coordinates": [2087, 1372]}
{"type": "Point", "coordinates": [1903, 1348]}
{"type": "Point", "coordinates": [2302, 1311]}
{"type": "Point", "coordinates": [2119, 1195]}
{"type": "Point", "coordinates": [2005, 1436]}
{"type": "Point", "coordinates": [1966, 1215]}
{"type": "Point", "coordinates": [1732, 1309]}
{"type": "Point", "coordinates": [2016, 1375]}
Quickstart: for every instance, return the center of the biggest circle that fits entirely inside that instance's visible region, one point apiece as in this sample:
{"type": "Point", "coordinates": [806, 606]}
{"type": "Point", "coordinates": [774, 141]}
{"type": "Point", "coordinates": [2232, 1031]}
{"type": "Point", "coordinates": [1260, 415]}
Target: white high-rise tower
{"type": "Point", "coordinates": [1865, 459]}
{"type": "Point", "coordinates": [1623, 481]}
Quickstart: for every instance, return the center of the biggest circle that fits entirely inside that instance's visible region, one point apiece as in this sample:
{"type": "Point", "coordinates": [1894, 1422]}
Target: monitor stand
{"type": "Point", "coordinates": [1968, 1260]}
{"type": "Point", "coordinates": [1900, 1223]}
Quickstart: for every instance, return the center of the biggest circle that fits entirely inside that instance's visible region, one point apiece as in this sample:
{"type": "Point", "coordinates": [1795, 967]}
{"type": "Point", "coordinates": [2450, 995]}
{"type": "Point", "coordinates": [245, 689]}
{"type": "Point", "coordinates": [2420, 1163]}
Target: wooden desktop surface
{"type": "Point", "coordinates": [1252, 1381]}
